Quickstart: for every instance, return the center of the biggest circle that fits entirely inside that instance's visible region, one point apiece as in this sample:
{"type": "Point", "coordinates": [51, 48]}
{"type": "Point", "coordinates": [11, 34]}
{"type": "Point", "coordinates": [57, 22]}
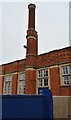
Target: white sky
{"type": "Point", "coordinates": [52, 25]}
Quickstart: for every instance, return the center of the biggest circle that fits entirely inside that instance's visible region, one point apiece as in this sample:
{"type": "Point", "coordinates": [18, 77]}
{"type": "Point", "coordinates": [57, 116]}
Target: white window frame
{"type": "Point", "coordinates": [21, 87]}
{"type": "Point", "coordinates": [43, 77]}
{"type": "Point", "coordinates": [66, 73]}
{"type": "Point", "coordinates": [7, 80]}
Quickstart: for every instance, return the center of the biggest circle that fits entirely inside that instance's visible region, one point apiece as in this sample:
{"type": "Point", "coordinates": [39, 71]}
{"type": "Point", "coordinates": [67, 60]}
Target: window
{"type": "Point", "coordinates": [66, 75]}
{"type": "Point", "coordinates": [45, 73]}
{"type": "Point", "coordinates": [45, 81]}
{"type": "Point", "coordinates": [22, 78]}
{"type": "Point", "coordinates": [40, 82]}
{"type": "Point", "coordinates": [65, 70]}
{"type": "Point", "coordinates": [70, 70]}
{"type": "Point", "coordinates": [40, 73]}
{"type": "Point", "coordinates": [8, 84]}
{"type": "Point", "coordinates": [43, 78]}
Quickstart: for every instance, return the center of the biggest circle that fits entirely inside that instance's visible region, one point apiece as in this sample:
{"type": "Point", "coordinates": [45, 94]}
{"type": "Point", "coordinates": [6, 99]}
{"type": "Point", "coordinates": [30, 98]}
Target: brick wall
{"type": "Point", "coordinates": [30, 81]}
{"type": "Point", "coordinates": [54, 57]}
{"type": "Point", "coordinates": [55, 81]}
{"type": "Point", "coordinates": [65, 91]}
{"type": "Point", "coordinates": [52, 60]}
{"type": "Point", "coordinates": [14, 83]}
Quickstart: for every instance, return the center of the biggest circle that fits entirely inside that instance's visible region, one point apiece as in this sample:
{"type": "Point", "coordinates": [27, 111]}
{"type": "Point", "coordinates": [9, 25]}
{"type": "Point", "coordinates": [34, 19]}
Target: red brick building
{"type": "Point", "coordinates": [50, 70]}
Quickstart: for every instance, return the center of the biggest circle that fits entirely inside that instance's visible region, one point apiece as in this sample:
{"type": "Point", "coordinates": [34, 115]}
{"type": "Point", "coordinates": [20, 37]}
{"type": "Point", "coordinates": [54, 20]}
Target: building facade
{"type": "Point", "coordinates": [49, 70]}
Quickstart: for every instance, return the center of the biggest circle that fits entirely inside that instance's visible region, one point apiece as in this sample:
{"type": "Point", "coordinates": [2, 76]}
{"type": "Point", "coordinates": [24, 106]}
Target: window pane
{"type": "Point", "coordinates": [65, 69]}
{"type": "Point", "coordinates": [6, 87]}
{"type": "Point", "coordinates": [10, 77]}
{"type": "Point", "coordinates": [40, 74]}
{"type": "Point", "coordinates": [70, 80]}
{"type": "Point", "coordinates": [66, 80]}
{"type": "Point", "coordinates": [46, 82]}
{"type": "Point", "coordinates": [20, 86]}
{"type": "Point", "coordinates": [7, 78]}
{"type": "Point", "coordinates": [66, 75]}
{"type": "Point", "coordinates": [24, 76]}
{"type": "Point", "coordinates": [40, 82]}
{"type": "Point", "coordinates": [24, 90]}
{"type": "Point", "coordinates": [45, 73]}
{"type": "Point", "coordinates": [22, 79]}
{"type": "Point", "coordinates": [43, 77]}
{"type": "Point", "coordinates": [20, 76]}
{"type": "Point", "coordinates": [8, 84]}
{"type": "Point", "coordinates": [69, 69]}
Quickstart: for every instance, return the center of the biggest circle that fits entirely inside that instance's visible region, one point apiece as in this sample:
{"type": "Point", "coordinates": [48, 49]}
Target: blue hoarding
{"type": "Point", "coordinates": [27, 106]}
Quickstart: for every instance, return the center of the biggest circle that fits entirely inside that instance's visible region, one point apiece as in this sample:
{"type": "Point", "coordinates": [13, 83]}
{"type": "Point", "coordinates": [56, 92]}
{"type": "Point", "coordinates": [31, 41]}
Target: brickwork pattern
{"type": "Point", "coordinates": [48, 59]}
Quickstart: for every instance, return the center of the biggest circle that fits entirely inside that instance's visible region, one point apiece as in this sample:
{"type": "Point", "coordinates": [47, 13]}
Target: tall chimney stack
{"type": "Point", "coordinates": [31, 20]}
{"type": "Point", "coordinates": [32, 51]}
{"type": "Point", "coordinates": [32, 37]}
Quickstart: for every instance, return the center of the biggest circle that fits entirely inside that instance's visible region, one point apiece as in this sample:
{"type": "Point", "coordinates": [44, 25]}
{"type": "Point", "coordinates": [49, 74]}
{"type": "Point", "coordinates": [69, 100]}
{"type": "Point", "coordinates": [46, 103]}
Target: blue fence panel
{"type": "Point", "coordinates": [23, 106]}
{"type": "Point", "coordinates": [49, 100]}
{"type": "Point", "coordinates": [28, 106]}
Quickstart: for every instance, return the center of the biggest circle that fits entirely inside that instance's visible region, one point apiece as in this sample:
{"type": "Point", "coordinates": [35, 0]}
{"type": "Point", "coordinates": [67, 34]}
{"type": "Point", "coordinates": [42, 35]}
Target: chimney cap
{"type": "Point", "coordinates": [31, 6]}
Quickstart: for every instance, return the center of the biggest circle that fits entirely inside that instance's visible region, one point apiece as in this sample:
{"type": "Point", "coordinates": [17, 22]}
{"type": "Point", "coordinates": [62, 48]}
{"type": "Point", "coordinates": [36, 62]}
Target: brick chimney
{"type": "Point", "coordinates": [32, 40]}
{"type": "Point", "coordinates": [32, 51]}
{"type": "Point", "coordinates": [31, 20]}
